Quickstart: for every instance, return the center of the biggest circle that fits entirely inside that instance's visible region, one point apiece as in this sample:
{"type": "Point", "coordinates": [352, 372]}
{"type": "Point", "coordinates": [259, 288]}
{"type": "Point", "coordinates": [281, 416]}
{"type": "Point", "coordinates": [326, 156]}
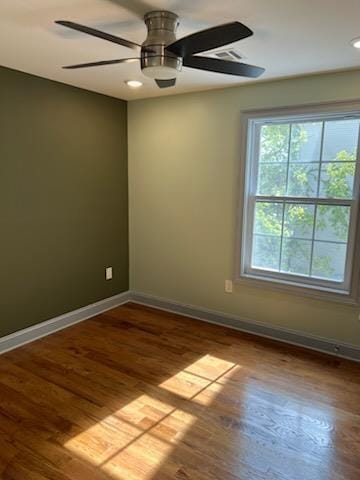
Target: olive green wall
{"type": "Point", "coordinates": [63, 198]}
{"type": "Point", "coordinates": [183, 161]}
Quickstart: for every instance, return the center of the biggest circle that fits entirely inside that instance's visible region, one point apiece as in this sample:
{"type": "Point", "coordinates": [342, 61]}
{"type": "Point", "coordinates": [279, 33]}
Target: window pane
{"type": "Point", "coordinates": [296, 256]}
{"type": "Point", "coordinates": [303, 179]}
{"type": "Point", "coordinates": [337, 180]}
{"type": "Point", "coordinates": [329, 261]}
{"type": "Point", "coordinates": [309, 237]}
{"type": "Point", "coordinates": [274, 143]}
{"type": "Point", "coordinates": [306, 142]}
{"type": "Point", "coordinates": [340, 140]}
{"type": "Point", "coordinates": [268, 218]}
{"type": "Point", "coordinates": [299, 220]}
{"type": "Point", "coordinates": [332, 223]}
{"type": "Point", "coordinates": [266, 252]}
{"type": "Point", "coordinates": [272, 179]}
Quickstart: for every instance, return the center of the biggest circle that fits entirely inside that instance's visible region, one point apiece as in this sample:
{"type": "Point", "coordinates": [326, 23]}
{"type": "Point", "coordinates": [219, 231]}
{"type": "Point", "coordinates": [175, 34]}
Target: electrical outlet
{"type": "Point", "coordinates": [228, 286]}
{"type": "Point", "coordinates": [108, 273]}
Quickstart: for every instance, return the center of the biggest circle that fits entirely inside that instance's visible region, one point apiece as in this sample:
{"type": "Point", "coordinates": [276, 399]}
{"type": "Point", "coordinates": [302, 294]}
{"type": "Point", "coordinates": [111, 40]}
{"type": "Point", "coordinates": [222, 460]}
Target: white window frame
{"type": "Point", "coordinates": [345, 292]}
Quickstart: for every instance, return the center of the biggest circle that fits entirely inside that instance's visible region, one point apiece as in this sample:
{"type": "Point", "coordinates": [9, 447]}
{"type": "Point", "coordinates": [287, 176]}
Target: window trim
{"type": "Point", "coordinates": [350, 292]}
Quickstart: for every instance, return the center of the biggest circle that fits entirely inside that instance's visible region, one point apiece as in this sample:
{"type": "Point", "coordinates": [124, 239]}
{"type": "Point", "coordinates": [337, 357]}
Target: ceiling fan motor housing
{"type": "Point", "coordinates": [158, 63]}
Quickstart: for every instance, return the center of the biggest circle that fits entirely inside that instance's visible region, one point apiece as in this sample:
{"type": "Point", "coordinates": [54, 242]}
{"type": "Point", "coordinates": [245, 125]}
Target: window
{"type": "Point", "coordinates": [300, 201]}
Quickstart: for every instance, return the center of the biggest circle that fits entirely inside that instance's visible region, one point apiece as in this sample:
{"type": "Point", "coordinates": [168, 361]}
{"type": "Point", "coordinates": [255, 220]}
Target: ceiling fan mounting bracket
{"type": "Point", "coordinates": [161, 20]}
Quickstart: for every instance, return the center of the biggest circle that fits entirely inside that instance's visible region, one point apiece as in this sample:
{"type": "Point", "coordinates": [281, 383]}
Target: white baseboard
{"type": "Point", "coordinates": [42, 329]}
{"type": "Point", "coordinates": [293, 337]}
{"type": "Point", "coordinates": [325, 345]}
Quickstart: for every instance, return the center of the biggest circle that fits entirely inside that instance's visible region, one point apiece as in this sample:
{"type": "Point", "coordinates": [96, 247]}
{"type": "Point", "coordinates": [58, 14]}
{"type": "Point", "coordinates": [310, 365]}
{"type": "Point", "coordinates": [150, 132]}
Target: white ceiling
{"type": "Point", "coordinates": [292, 37]}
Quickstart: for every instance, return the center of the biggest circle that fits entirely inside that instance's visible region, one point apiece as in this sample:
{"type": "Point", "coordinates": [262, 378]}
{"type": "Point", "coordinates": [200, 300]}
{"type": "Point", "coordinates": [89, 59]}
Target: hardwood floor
{"type": "Point", "coordinates": [139, 394]}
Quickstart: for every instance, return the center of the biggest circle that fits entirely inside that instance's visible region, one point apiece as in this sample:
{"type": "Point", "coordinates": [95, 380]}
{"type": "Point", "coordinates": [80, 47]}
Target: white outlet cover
{"type": "Point", "coordinates": [228, 286]}
{"type": "Point", "coordinates": [108, 273]}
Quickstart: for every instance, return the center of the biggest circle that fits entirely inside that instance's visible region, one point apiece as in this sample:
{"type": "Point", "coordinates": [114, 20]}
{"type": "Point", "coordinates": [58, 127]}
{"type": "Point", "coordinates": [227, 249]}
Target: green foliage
{"type": "Point", "coordinates": [274, 143]}
{"type": "Point", "coordinates": [295, 256]}
{"type": "Point", "coordinates": [335, 182]}
{"type": "Point", "coordinates": [268, 219]}
{"type": "Point", "coordinates": [336, 179]}
{"type": "Point", "coordinates": [266, 252]}
{"type": "Point", "coordinates": [298, 221]}
{"type": "Point", "coordinates": [272, 179]}
{"type": "Point", "coordinates": [299, 136]}
{"type": "Point", "coordinates": [334, 218]}
{"type": "Point", "coordinates": [303, 180]}
{"type": "Point", "coordinates": [322, 265]}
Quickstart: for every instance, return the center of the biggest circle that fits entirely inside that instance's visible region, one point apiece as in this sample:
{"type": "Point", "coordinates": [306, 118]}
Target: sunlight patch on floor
{"type": "Point", "coordinates": [134, 441]}
{"type": "Point", "coordinates": [144, 407]}
{"type": "Point", "coordinates": [103, 440]}
{"type": "Point", "coordinates": [207, 396]}
{"type": "Point", "coordinates": [140, 460]}
{"type": "Point", "coordinates": [209, 367]}
{"type": "Point", "coordinates": [185, 384]}
{"type": "Point", "coordinates": [198, 376]}
{"type": "Point", "coordinates": [140, 420]}
{"type": "Point", "coordinates": [175, 426]}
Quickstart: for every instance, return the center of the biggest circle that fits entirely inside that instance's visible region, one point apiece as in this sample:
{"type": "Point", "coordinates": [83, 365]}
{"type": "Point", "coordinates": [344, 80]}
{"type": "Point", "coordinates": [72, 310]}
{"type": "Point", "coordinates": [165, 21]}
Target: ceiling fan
{"type": "Point", "coordinates": [162, 56]}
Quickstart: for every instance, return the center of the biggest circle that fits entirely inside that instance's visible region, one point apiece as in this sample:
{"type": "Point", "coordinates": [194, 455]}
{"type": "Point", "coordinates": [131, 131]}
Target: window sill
{"type": "Point", "coordinates": [293, 288]}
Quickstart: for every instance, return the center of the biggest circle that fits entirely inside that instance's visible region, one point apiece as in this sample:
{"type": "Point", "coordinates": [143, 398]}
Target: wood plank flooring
{"type": "Point", "coordinates": [140, 394]}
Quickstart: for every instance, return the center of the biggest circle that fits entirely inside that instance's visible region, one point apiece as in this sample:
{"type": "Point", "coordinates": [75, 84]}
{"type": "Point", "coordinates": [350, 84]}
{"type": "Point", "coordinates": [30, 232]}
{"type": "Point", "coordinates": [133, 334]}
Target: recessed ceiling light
{"type": "Point", "coordinates": [356, 42]}
{"type": "Point", "coordinates": [133, 83]}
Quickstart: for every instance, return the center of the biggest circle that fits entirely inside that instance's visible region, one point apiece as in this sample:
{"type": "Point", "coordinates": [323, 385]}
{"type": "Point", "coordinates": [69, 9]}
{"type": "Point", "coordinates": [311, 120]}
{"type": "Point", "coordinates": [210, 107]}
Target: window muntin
{"type": "Point", "coordinates": [301, 200]}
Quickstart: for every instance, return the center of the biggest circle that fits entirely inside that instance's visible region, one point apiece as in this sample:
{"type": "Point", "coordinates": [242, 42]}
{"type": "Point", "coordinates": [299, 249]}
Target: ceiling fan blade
{"type": "Point", "coordinates": [97, 33]}
{"type": "Point", "coordinates": [223, 66]}
{"type": "Point", "coordinates": [102, 62]}
{"type": "Point", "coordinates": [210, 38]}
{"type": "Point", "coordinates": [166, 83]}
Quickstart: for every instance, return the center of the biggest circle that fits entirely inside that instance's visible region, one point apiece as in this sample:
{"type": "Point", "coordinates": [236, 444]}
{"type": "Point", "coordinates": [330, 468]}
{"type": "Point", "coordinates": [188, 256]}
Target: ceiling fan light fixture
{"type": "Point", "coordinates": [160, 72]}
{"type": "Point", "coordinates": [134, 83]}
{"type": "Point", "coordinates": [355, 42]}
